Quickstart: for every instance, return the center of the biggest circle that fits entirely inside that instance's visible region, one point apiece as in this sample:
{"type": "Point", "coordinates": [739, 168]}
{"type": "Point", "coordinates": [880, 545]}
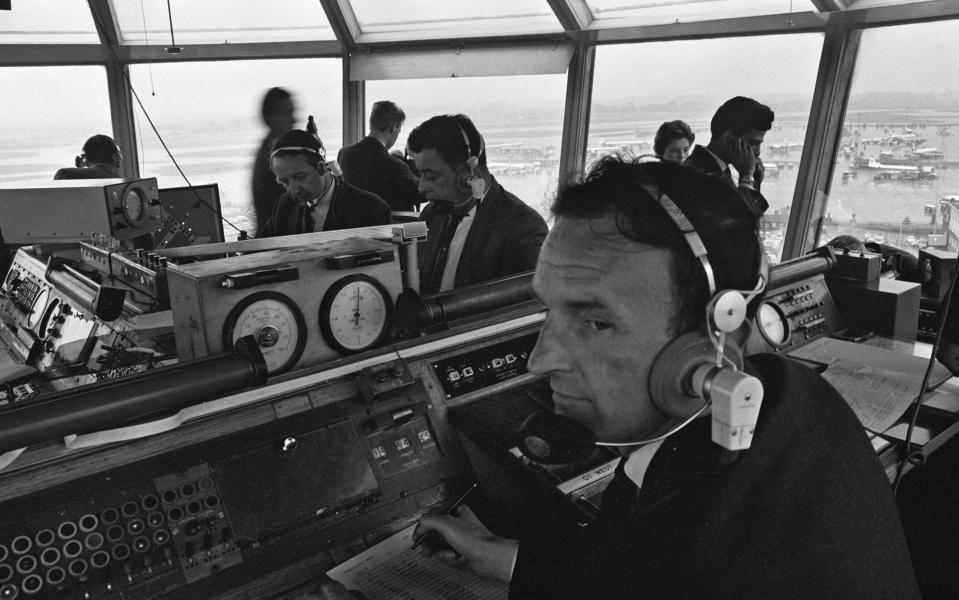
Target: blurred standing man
{"type": "Point", "coordinates": [477, 230]}
{"type": "Point", "coordinates": [315, 199]}
{"type": "Point", "coordinates": [277, 112]}
{"type": "Point", "coordinates": [737, 132]}
{"type": "Point", "coordinates": [101, 159]}
{"type": "Point", "coordinates": [369, 165]}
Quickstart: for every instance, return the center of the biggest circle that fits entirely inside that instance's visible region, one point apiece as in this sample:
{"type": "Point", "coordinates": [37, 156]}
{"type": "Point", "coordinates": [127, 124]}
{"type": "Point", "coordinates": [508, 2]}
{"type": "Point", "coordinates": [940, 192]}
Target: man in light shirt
{"type": "Point", "coordinates": [477, 230]}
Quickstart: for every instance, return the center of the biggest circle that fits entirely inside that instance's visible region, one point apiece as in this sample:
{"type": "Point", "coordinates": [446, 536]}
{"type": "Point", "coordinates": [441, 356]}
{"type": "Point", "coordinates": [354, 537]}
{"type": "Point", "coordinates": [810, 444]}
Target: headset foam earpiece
{"type": "Point", "coordinates": [474, 182]}
{"type": "Point", "coordinates": [685, 371]}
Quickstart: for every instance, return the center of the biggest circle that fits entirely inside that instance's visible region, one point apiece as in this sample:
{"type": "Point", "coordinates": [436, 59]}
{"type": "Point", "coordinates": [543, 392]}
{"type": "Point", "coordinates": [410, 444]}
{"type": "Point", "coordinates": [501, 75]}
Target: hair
{"type": "Point", "coordinates": [385, 114]}
{"type": "Point", "coordinates": [272, 100]}
{"type": "Point", "coordinates": [100, 148]}
{"type": "Point", "coordinates": [669, 131]}
{"type": "Point", "coordinates": [444, 134]}
{"type": "Point", "coordinates": [296, 142]}
{"type": "Point", "coordinates": [614, 186]}
{"type": "Point", "coordinates": [741, 115]}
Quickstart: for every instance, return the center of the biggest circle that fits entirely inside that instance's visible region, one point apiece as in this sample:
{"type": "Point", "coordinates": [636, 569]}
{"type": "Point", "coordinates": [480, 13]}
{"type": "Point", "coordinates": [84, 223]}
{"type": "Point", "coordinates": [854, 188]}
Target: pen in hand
{"type": "Point", "coordinates": [449, 511]}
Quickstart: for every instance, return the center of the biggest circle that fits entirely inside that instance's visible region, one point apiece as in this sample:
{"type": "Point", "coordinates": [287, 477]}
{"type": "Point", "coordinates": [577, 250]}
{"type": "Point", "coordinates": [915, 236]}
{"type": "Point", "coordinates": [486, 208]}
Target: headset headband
{"type": "Point", "coordinates": [689, 234]}
{"type": "Point", "coordinates": [319, 152]}
{"type": "Point", "coordinates": [466, 142]}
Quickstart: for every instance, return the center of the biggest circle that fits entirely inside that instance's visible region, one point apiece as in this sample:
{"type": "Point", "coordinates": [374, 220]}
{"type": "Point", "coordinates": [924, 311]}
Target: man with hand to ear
{"type": "Point", "coordinates": [737, 130]}
{"type": "Point", "coordinates": [631, 273]}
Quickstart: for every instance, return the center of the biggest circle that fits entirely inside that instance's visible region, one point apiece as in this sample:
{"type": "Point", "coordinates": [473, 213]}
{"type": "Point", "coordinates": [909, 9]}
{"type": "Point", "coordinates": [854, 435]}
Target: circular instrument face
{"type": "Point", "coordinates": [37, 311]}
{"type": "Point", "coordinates": [275, 322]}
{"type": "Point", "coordinates": [773, 324]}
{"type": "Point", "coordinates": [355, 313]}
{"type": "Point", "coordinates": [134, 207]}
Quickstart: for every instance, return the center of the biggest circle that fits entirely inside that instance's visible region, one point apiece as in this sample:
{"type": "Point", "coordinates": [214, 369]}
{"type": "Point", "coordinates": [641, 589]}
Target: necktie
{"type": "Point", "coordinates": [620, 496]}
{"type": "Point", "coordinates": [444, 238]}
{"type": "Point", "coordinates": [728, 176]}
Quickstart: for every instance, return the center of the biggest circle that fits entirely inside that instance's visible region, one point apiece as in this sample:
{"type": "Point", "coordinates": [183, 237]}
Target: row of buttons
{"type": "Point", "coordinates": [496, 363]}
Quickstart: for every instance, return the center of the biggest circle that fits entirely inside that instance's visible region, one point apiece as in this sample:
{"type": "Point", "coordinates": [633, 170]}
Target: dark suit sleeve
{"type": "Point", "coordinates": [754, 201]}
{"type": "Point", "coordinates": [526, 237]}
{"type": "Point", "coordinates": [405, 184]}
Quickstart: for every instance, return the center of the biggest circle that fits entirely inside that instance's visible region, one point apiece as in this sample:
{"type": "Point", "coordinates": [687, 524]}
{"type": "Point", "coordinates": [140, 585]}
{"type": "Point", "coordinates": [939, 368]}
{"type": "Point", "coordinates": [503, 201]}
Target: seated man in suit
{"type": "Point", "coordinates": [369, 165]}
{"type": "Point", "coordinates": [101, 159]}
{"type": "Point", "coordinates": [477, 230]}
{"type": "Point", "coordinates": [315, 199]}
{"type": "Point", "coordinates": [737, 131]}
{"type": "Point", "coordinates": [639, 257]}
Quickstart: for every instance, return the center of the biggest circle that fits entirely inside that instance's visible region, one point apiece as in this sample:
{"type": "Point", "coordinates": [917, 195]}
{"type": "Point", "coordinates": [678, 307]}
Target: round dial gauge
{"type": "Point", "coordinates": [134, 206]}
{"type": "Point", "coordinates": [275, 322]}
{"type": "Point", "coordinates": [773, 324]}
{"type": "Point", "coordinates": [355, 313]}
{"type": "Point", "coordinates": [37, 311]}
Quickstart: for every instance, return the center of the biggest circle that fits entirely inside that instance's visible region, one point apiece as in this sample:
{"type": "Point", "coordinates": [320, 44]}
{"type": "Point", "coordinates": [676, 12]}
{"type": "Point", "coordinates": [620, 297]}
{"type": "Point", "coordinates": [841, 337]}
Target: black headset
{"type": "Point", "coordinates": [691, 372]}
{"type": "Point", "coordinates": [473, 181]}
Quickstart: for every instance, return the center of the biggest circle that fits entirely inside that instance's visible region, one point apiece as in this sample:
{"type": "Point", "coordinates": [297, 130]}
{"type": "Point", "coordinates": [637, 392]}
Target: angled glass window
{"type": "Point", "coordinates": [894, 179]}
{"type": "Point", "coordinates": [520, 118]}
{"type": "Point", "coordinates": [619, 13]}
{"type": "Point", "coordinates": [221, 21]}
{"type": "Point", "coordinates": [48, 22]}
{"type": "Point", "coordinates": [46, 115]}
{"type": "Point", "coordinates": [209, 116]}
{"type": "Point", "coordinates": [390, 20]}
{"type": "Point", "coordinates": [688, 80]}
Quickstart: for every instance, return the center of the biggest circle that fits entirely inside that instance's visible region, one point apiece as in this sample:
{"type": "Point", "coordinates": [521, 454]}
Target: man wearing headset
{"type": "Point", "coordinates": [101, 159]}
{"type": "Point", "coordinates": [477, 230]}
{"type": "Point", "coordinates": [315, 199]}
{"type": "Point", "coordinates": [805, 512]}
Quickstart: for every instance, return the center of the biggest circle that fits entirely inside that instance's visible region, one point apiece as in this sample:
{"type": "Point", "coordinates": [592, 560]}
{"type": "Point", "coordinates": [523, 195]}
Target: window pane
{"type": "Point", "coordinates": [221, 21]}
{"type": "Point", "coordinates": [48, 22]}
{"type": "Point", "coordinates": [209, 116]}
{"type": "Point", "coordinates": [900, 151]}
{"type": "Point", "coordinates": [520, 118]}
{"type": "Point", "coordinates": [417, 19]}
{"type": "Point", "coordinates": [610, 13]}
{"type": "Point", "coordinates": [46, 114]}
{"type": "Point", "coordinates": [690, 80]}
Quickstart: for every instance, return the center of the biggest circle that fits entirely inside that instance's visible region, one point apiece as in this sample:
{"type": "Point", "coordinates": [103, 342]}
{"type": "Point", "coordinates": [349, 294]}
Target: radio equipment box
{"type": "Point", "coordinates": [305, 305]}
{"type": "Point", "coordinates": [935, 269]}
{"type": "Point", "coordinates": [72, 210]}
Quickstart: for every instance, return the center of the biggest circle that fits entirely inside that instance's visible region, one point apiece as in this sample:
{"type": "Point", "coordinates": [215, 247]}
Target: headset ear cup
{"type": "Point", "coordinates": [669, 377]}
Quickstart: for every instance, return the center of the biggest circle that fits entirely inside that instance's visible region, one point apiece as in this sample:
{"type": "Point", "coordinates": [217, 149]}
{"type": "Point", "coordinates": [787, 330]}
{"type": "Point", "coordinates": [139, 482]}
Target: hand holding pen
{"type": "Point", "coordinates": [462, 538]}
{"type": "Point", "coordinates": [449, 511]}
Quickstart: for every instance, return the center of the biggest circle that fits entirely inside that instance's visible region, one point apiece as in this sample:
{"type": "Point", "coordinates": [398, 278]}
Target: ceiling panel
{"type": "Point", "coordinates": [48, 22]}
{"type": "Point", "coordinates": [402, 20]}
{"type": "Point", "coordinates": [621, 13]}
{"type": "Point", "coordinates": [221, 21]}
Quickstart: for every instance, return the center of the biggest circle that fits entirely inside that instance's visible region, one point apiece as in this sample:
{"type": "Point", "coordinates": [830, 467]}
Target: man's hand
{"type": "Point", "coordinates": [759, 173]}
{"type": "Point", "coordinates": [949, 355]}
{"type": "Point", "coordinates": [468, 540]}
{"type": "Point", "coordinates": [741, 156]}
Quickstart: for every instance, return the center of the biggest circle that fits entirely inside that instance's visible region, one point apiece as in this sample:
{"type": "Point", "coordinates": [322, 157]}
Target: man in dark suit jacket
{"type": "Point", "coordinates": [737, 132]}
{"type": "Point", "coordinates": [315, 199]}
{"type": "Point", "coordinates": [369, 165]}
{"type": "Point", "coordinates": [477, 230]}
{"type": "Point", "coordinates": [101, 159]}
{"type": "Point", "coordinates": [805, 511]}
